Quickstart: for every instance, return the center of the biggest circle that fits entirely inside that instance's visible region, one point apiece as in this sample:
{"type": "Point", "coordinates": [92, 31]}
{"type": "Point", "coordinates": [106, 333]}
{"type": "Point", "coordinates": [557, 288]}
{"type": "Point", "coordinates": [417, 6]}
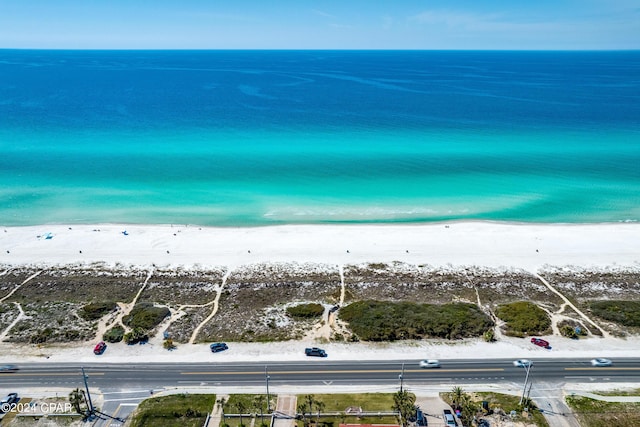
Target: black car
{"type": "Point", "coordinates": [218, 346]}
{"type": "Point", "coordinates": [315, 351]}
{"type": "Point", "coordinates": [8, 368]}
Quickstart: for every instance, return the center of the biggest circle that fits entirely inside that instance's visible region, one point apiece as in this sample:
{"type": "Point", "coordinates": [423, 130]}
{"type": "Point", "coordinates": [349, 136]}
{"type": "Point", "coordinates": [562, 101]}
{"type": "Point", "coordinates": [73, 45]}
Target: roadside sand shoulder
{"type": "Point", "coordinates": [509, 348]}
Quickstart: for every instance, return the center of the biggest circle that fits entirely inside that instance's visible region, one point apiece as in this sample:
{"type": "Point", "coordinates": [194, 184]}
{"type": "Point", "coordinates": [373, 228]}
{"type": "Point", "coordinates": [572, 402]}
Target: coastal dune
{"type": "Point", "coordinates": [487, 244]}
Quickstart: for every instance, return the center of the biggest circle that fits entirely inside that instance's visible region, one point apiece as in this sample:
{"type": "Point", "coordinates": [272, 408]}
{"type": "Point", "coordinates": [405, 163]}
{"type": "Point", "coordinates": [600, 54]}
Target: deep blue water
{"type": "Point", "coordinates": [269, 137]}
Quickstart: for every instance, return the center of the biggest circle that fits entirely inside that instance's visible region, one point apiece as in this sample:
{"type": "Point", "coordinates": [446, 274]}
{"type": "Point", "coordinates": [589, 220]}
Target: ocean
{"type": "Point", "coordinates": [249, 138]}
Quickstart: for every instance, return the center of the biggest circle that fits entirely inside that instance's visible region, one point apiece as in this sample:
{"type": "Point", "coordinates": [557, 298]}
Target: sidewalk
{"type": "Point", "coordinates": [285, 413]}
{"type": "Point", "coordinates": [216, 412]}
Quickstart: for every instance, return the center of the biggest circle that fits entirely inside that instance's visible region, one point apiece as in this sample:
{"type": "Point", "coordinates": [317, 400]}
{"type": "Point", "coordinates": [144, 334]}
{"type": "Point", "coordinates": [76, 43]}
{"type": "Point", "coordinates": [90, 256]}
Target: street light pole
{"type": "Point", "coordinates": [401, 378]}
{"type": "Point", "coordinates": [526, 379]}
{"type": "Point", "coordinates": [266, 377]}
{"type": "Point", "coordinates": [86, 386]}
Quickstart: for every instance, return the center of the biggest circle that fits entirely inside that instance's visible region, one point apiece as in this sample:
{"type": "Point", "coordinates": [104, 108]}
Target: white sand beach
{"type": "Point", "coordinates": [525, 246]}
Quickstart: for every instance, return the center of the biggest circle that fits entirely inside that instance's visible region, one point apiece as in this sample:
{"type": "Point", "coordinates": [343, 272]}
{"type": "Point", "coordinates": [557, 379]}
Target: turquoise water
{"type": "Point", "coordinates": [257, 138]}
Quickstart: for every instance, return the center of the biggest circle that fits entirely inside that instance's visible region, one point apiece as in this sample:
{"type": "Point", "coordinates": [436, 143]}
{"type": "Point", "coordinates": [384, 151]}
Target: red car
{"type": "Point", "coordinates": [100, 348]}
{"type": "Point", "coordinates": [540, 342]}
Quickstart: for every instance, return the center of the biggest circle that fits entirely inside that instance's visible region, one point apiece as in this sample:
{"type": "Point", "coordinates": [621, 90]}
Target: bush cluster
{"type": "Point", "coordinates": [95, 310]}
{"type": "Point", "coordinates": [57, 335]}
{"type": "Point", "coordinates": [524, 318]}
{"type": "Point", "coordinates": [168, 344]}
{"type": "Point", "coordinates": [572, 329]}
{"type": "Point", "coordinates": [137, 335]}
{"type": "Point", "coordinates": [144, 315]}
{"type": "Point", "coordinates": [625, 313]}
{"type": "Point", "coordinates": [388, 321]}
{"type": "Point", "coordinates": [305, 311]}
{"type": "Point", "coordinates": [114, 334]}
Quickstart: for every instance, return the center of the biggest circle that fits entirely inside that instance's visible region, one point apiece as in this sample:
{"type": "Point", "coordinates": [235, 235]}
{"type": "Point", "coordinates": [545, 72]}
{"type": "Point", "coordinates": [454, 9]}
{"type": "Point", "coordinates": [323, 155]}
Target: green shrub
{"type": "Point", "coordinates": [625, 313]}
{"type": "Point", "coordinates": [136, 336]}
{"type": "Point", "coordinates": [42, 336]}
{"type": "Point", "coordinates": [388, 321]}
{"type": "Point", "coordinates": [489, 335]}
{"type": "Point", "coordinates": [96, 310]}
{"type": "Point", "coordinates": [568, 331]}
{"type": "Point", "coordinates": [572, 328]}
{"type": "Point", "coordinates": [114, 334]}
{"type": "Point", "coordinates": [168, 344]}
{"type": "Point", "coordinates": [144, 315]}
{"type": "Point", "coordinates": [305, 311]}
{"type": "Point", "coordinates": [524, 318]}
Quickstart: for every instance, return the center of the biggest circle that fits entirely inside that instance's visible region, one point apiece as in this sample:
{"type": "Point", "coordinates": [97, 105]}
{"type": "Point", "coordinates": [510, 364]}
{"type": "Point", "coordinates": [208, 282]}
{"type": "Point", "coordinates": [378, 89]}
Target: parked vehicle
{"type": "Point", "coordinates": [449, 419]}
{"type": "Point", "coordinates": [8, 368]}
{"type": "Point", "coordinates": [601, 362]}
{"type": "Point", "coordinates": [421, 420]}
{"type": "Point", "coordinates": [100, 348]}
{"type": "Point", "coordinates": [315, 351]}
{"type": "Point", "coordinates": [429, 363]}
{"type": "Point", "coordinates": [522, 363]}
{"type": "Point", "coordinates": [218, 346]}
{"type": "Point", "coordinates": [8, 400]}
{"type": "Point", "coordinates": [540, 342]}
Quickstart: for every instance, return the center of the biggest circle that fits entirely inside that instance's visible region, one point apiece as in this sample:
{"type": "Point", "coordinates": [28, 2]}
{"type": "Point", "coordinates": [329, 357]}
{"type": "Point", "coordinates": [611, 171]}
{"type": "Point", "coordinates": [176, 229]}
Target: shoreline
{"type": "Point", "coordinates": [456, 243]}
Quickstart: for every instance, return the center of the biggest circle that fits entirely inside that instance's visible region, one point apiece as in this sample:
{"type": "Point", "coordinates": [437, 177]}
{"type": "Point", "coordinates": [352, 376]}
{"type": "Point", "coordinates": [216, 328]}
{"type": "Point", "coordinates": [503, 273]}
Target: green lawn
{"type": "Point", "coordinates": [338, 403]}
{"type": "Point", "coordinates": [251, 406]}
{"type": "Point", "coordinates": [596, 413]}
{"type": "Point", "coordinates": [367, 401]}
{"type": "Point", "coordinates": [634, 392]}
{"type": "Point", "coordinates": [177, 410]}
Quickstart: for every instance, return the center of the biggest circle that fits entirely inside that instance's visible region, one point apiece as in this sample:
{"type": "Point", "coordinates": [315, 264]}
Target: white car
{"type": "Point", "coordinates": [429, 363]}
{"type": "Point", "coordinates": [522, 363]}
{"type": "Point", "coordinates": [601, 362]}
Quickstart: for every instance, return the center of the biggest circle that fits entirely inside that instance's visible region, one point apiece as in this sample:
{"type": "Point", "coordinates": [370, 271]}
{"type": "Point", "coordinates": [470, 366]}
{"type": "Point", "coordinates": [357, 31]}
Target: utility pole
{"type": "Point", "coordinates": [91, 410]}
{"type": "Point", "coordinates": [86, 386]}
{"type": "Point", "coordinates": [266, 378]}
{"type": "Point", "coordinates": [401, 377]}
{"type": "Point", "coordinates": [526, 379]}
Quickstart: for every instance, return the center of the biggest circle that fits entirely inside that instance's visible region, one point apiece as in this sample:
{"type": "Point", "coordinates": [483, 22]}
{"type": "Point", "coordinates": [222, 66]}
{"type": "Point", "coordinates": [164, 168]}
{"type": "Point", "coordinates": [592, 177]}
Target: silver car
{"type": "Point", "coordinates": [429, 363]}
{"type": "Point", "coordinates": [600, 362]}
{"type": "Point", "coordinates": [522, 363]}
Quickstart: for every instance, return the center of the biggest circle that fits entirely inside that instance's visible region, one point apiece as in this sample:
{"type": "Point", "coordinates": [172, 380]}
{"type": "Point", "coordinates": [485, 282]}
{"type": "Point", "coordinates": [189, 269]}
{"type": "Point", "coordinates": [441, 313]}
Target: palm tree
{"type": "Point", "coordinates": [456, 395]}
{"type": "Point", "coordinates": [403, 403]}
{"type": "Point", "coordinates": [258, 403]}
{"type": "Point", "coordinates": [320, 407]}
{"type": "Point", "coordinates": [310, 400]}
{"type": "Point", "coordinates": [468, 409]}
{"type": "Point", "coordinates": [302, 408]}
{"type": "Point", "coordinates": [241, 407]}
{"type": "Point", "coordinates": [77, 399]}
